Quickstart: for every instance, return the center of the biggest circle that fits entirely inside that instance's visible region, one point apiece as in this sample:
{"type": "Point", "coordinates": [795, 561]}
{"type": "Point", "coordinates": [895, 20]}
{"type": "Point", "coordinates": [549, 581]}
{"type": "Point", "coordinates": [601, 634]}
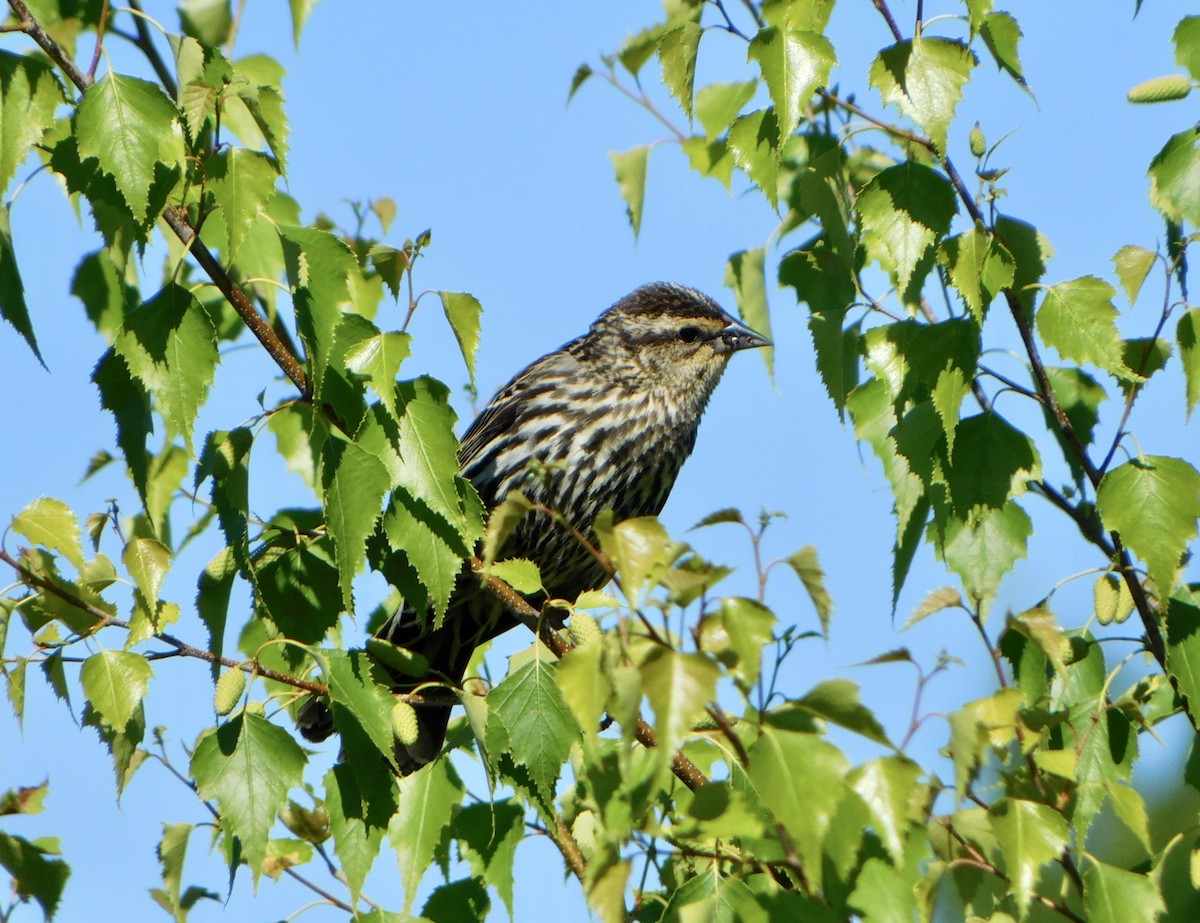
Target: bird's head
{"type": "Point", "coordinates": [672, 337]}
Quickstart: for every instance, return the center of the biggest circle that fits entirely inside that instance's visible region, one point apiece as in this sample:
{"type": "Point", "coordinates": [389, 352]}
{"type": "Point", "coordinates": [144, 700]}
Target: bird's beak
{"type": "Point", "coordinates": [738, 336]}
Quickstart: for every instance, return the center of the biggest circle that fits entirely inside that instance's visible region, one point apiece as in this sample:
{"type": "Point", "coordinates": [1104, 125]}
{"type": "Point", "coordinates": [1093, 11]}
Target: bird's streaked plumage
{"type": "Point", "coordinates": [610, 417]}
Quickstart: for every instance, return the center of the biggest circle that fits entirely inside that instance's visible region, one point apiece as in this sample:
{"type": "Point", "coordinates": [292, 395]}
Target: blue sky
{"type": "Point", "coordinates": [457, 112]}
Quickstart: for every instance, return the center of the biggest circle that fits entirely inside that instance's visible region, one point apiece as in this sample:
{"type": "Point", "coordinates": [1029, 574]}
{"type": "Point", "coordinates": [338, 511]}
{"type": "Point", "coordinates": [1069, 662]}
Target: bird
{"type": "Point", "coordinates": [604, 422]}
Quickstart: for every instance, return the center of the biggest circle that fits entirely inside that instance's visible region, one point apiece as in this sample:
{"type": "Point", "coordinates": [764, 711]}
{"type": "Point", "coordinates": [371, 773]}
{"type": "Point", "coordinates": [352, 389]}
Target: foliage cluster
{"type": "Point", "coordinates": [742, 810]}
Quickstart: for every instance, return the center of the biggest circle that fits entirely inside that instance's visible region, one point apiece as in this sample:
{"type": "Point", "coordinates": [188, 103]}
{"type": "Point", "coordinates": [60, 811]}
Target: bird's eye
{"type": "Point", "coordinates": [689, 334]}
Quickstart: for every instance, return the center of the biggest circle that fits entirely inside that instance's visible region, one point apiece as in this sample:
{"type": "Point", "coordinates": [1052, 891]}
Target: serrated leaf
{"type": "Point", "coordinates": [170, 345]}
{"type": "Point", "coordinates": [529, 719]}
{"type": "Point", "coordinates": [1113, 895]}
{"type": "Point", "coordinates": [378, 359]}
{"type": "Point", "coordinates": [883, 894]}
{"type": "Point", "coordinates": [793, 63]}
{"type": "Point", "coordinates": [992, 463]}
{"type": "Point", "coordinates": [1133, 264]}
{"type": "Point", "coordinates": [1187, 45]}
{"type": "Point", "coordinates": [1002, 34]}
{"type": "Point", "coordinates": [800, 779]}
{"type": "Point", "coordinates": [1078, 319]}
{"type": "Point", "coordinates": [904, 211]}
{"type": "Point", "coordinates": [413, 530]}
{"type": "Point", "coordinates": [354, 695]}
{"type": "Point", "coordinates": [241, 181]}
{"type": "Point", "coordinates": [1153, 503]}
{"type": "Point", "coordinates": [354, 482]}
{"type": "Point", "coordinates": [520, 574]}
{"type": "Point", "coordinates": [29, 94]}
{"type": "Point", "coordinates": [718, 104]}
{"type": "Point", "coordinates": [115, 682]}
{"type": "Point", "coordinates": [489, 834]}
{"type": "Point", "coordinates": [1175, 177]}
{"type": "Point", "coordinates": [209, 21]}
{"type": "Point", "coordinates": [463, 311]}
{"type": "Point", "coordinates": [986, 548]}
{"type": "Point", "coordinates": [129, 126]}
{"type": "Point", "coordinates": [924, 79]}
{"type": "Point", "coordinates": [755, 141]}
{"type": "Point", "coordinates": [677, 53]}
{"type": "Point", "coordinates": [886, 785]}
{"type": "Point", "coordinates": [582, 73]}
{"type": "Point", "coordinates": [945, 598]}
{"type": "Point", "coordinates": [745, 273]}
{"type": "Point", "coordinates": [678, 686]}
{"type": "Point", "coordinates": [640, 550]}
{"type": "Point", "coordinates": [226, 459]}
{"type": "Point", "coordinates": [1029, 836]}
{"type": "Point", "coordinates": [429, 801]}
{"type": "Point", "coordinates": [1187, 335]}
{"type": "Point", "coordinates": [360, 802]}
{"type": "Point", "coordinates": [51, 524]}
{"type": "Point", "coordinates": [248, 765]}
{"type": "Point", "coordinates": [12, 290]}
{"type": "Point", "coordinates": [979, 267]}
{"type": "Point", "coordinates": [429, 452]}
{"type": "Point", "coordinates": [35, 873]}
{"type": "Point", "coordinates": [130, 405]}
{"type": "Point", "coordinates": [630, 169]}
{"type": "Point", "coordinates": [805, 565]}
{"type": "Point", "coordinates": [837, 701]}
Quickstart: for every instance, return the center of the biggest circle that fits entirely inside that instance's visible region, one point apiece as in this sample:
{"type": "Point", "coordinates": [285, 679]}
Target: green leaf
{"type": "Point", "coordinates": [630, 168]}
{"type": "Point", "coordinates": [737, 635]}
{"type": "Point", "coordinates": [924, 79]}
{"type": "Point", "coordinates": [130, 405]}
{"type": "Point", "coordinates": [248, 765]}
{"type": "Point", "coordinates": [129, 126]}
{"type": "Point", "coordinates": [465, 899]}
{"type": "Point", "coordinates": [29, 94]}
{"type": "Point", "coordinates": [520, 574]}
{"type": "Point", "coordinates": [209, 21]}
{"type": "Point", "coordinates": [378, 359]}
{"type": "Point", "coordinates": [1028, 837]}
{"type": "Point", "coordinates": [978, 266]}
{"type": "Point", "coordinates": [1113, 895]}
{"type": "Point", "coordinates": [1153, 502]}
{"type": "Point", "coordinates": [905, 210]}
{"type": "Point", "coordinates": [1175, 177]}
{"type": "Point", "coordinates": [51, 524]}
{"type": "Point", "coordinates": [1078, 319]}
{"type": "Point", "coordinates": [115, 682]}
{"type": "Point", "coordinates": [488, 838]}
{"type": "Point", "coordinates": [355, 695]}
{"type": "Point", "coordinates": [883, 894]}
{"type": "Point", "coordinates": [429, 453]}
{"type": "Point", "coordinates": [226, 459]}
{"type": "Point", "coordinates": [354, 481]}
{"type": "Point", "coordinates": [264, 103]}
{"type": "Point", "coordinates": [837, 701]}
{"type": "Point", "coordinates": [300, 11]}
{"type": "Point", "coordinates": [678, 686]}
{"type": "Point", "coordinates": [746, 275]}
{"type": "Point", "coordinates": [805, 565]}
{"type": "Point", "coordinates": [360, 802]}
{"type": "Point", "coordinates": [147, 561]}
{"type": "Point", "coordinates": [529, 719]}
{"type": "Point", "coordinates": [1187, 335]}
{"type": "Point", "coordinates": [677, 53]}
{"type": "Point", "coordinates": [800, 779]}
{"type": "Point", "coordinates": [297, 585]}
{"type": "Point", "coordinates": [429, 801]}
{"type": "Point", "coordinates": [34, 873]}
{"type": "Point", "coordinates": [755, 141]}
{"type": "Point", "coordinates": [463, 312]}
{"type": "Point", "coordinates": [1187, 45]}
{"type": "Point", "coordinates": [718, 104]}
{"type": "Point", "coordinates": [992, 463]}
{"type": "Point", "coordinates": [984, 549]}
{"type": "Point", "coordinates": [1080, 397]}
{"type": "Point", "coordinates": [794, 63]}
{"type": "Point", "coordinates": [640, 550]}
{"type": "Point", "coordinates": [12, 291]}
{"type": "Point", "coordinates": [1001, 34]}
{"type": "Point", "coordinates": [241, 181]}
{"type": "Point", "coordinates": [319, 266]}
{"type": "Point", "coordinates": [170, 346]}
{"type": "Point", "coordinates": [410, 528]}
{"type": "Point", "coordinates": [1183, 644]}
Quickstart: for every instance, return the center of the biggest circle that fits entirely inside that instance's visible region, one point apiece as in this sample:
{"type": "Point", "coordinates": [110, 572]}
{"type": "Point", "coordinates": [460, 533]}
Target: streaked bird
{"type": "Point", "coordinates": [610, 417]}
